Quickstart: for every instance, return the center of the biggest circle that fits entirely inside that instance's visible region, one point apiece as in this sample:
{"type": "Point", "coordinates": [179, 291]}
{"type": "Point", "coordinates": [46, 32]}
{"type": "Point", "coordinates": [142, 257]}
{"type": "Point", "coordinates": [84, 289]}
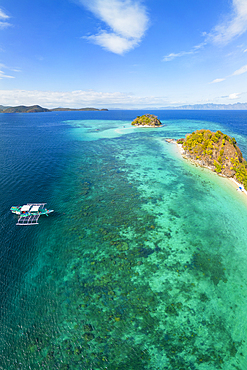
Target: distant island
{"type": "Point", "coordinates": [146, 120]}
{"type": "Point", "coordinates": [217, 152]}
{"type": "Point", "coordinates": [209, 106]}
{"type": "Point", "coordinates": [38, 109]}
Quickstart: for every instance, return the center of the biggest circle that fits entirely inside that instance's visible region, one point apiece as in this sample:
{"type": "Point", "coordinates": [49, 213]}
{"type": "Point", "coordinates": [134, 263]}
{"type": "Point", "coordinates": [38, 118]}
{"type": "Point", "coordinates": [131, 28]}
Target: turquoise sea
{"type": "Point", "coordinates": [142, 265]}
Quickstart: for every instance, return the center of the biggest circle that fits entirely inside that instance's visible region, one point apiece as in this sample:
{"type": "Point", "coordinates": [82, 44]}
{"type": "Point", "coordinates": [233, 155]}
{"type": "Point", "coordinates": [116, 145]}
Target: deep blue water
{"type": "Point", "coordinates": [142, 264]}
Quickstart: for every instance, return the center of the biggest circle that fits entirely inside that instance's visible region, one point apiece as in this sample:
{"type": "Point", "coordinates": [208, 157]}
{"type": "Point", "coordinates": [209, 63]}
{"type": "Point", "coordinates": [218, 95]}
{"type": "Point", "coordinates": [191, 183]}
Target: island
{"type": "Point", "coordinates": [146, 120]}
{"type": "Point", "coordinates": [216, 151]}
{"type": "Point", "coordinates": [38, 109]}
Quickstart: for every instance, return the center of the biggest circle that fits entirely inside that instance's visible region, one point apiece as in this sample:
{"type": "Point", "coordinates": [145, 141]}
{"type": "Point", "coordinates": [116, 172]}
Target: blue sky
{"type": "Point", "coordinates": [123, 53]}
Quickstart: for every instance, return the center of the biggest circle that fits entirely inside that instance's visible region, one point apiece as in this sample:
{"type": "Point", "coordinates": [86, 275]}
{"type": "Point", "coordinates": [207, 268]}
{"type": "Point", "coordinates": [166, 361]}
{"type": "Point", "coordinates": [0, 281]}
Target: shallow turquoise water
{"type": "Point", "coordinates": [142, 265]}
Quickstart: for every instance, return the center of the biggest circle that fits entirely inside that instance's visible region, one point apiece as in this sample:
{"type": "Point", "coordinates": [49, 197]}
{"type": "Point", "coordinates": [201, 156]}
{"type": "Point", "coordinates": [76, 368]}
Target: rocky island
{"type": "Point", "coordinates": [147, 120]}
{"type": "Point", "coordinates": [217, 152]}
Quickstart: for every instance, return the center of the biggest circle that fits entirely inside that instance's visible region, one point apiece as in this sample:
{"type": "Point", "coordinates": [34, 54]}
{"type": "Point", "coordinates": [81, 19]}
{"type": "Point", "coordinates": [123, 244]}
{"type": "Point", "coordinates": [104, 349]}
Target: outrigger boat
{"type": "Point", "coordinates": [30, 213]}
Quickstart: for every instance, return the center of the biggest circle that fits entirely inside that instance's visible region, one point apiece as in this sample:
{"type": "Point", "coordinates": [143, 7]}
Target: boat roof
{"type": "Point", "coordinates": [25, 208]}
{"type": "Point", "coordinates": [34, 208]}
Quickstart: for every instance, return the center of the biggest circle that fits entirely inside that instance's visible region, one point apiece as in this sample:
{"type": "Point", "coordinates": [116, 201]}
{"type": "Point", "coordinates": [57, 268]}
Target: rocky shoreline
{"type": "Point", "coordinates": [202, 164]}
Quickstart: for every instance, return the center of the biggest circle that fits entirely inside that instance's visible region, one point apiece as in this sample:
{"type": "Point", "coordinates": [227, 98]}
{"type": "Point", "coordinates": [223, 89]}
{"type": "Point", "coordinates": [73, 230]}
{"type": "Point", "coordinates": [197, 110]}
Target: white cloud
{"type": "Point", "coordinates": [83, 99]}
{"type": "Point", "coordinates": [217, 80]}
{"type": "Point", "coordinates": [3, 19]}
{"type": "Point", "coordinates": [233, 26]}
{"type": "Point", "coordinates": [3, 75]}
{"type": "Point", "coordinates": [3, 15]}
{"type": "Point", "coordinates": [169, 57]}
{"type": "Point", "coordinates": [112, 42]}
{"type": "Point", "coordinates": [240, 71]}
{"type": "Point", "coordinates": [195, 49]}
{"type": "Point", "coordinates": [79, 99]}
{"type": "Point", "coordinates": [127, 20]}
{"type": "Point", "coordinates": [234, 96]}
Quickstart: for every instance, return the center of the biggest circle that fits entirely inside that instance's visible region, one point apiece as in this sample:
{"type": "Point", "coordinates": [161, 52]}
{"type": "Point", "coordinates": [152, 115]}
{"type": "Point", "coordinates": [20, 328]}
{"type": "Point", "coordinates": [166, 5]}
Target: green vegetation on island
{"type": "Point", "coordinates": [24, 109]}
{"type": "Point", "coordinates": [148, 120]}
{"type": "Point", "coordinates": [37, 109]}
{"type": "Point", "coordinates": [217, 151]}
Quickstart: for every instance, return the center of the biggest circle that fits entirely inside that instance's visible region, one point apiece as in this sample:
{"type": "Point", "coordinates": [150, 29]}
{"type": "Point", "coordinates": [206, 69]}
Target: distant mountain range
{"type": "Point", "coordinates": [210, 106]}
{"type": "Point", "coordinates": [37, 109]}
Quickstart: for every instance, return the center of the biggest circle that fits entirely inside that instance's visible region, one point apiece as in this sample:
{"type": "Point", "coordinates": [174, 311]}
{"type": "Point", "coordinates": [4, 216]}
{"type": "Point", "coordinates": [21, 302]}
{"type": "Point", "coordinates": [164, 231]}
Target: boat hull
{"type": "Point", "coordinates": [18, 211]}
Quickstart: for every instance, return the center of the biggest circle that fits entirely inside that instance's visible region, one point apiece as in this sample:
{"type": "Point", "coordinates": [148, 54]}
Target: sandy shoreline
{"type": "Point", "coordinates": [148, 126]}
{"type": "Point", "coordinates": [182, 152]}
{"type": "Point", "coordinates": [238, 184]}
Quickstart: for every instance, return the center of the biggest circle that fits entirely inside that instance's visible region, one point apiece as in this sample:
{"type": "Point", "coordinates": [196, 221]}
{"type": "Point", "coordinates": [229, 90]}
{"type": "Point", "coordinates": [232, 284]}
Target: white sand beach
{"type": "Point", "coordinates": [233, 181]}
